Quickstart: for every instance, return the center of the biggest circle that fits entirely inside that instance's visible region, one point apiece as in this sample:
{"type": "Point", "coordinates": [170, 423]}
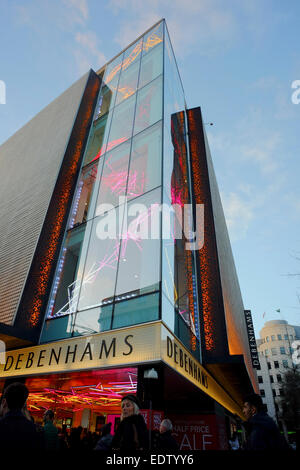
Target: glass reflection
{"type": "Point", "coordinates": [114, 177]}
{"type": "Point", "coordinates": [139, 264]}
{"type": "Point", "coordinates": [67, 281]}
{"type": "Point", "coordinates": [151, 66]}
{"type": "Point", "coordinates": [134, 311]}
{"type": "Point", "coordinates": [149, 105]}
{"type": "Point", "coordinates": [97, 140]}
{"type": "Point", "coordinates": [128, 82]}
{"type": "Point", "coordinates": [121, 127]}
{"type": "Point", "coordinates": [153, 38]}
{"type": "Point", "coordinates": [93, 321]}
{"type": "Point", "coordinates": [145, 161]}
{"type": "Point", "coordinates": [113, 69]}
{"type": "Point", "coordinates": [83, 194]}
{"type": "Point", "coordinates": [98, 283]}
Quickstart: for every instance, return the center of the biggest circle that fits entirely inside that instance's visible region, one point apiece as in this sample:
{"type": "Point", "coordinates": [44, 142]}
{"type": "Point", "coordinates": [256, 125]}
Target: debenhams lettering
{"type": "Point", "coordinates": [185, 362]}
{"type": "Point", "coordinates": [57, 356]}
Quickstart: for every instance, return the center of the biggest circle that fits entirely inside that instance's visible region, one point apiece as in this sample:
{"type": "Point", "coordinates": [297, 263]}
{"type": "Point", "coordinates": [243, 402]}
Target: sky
{"type": "Point", "coordinates": [238, 61]}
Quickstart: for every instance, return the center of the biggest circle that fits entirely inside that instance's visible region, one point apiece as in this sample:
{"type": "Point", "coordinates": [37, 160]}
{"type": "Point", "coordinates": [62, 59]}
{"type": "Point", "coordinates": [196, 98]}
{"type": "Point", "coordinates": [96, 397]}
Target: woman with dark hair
{"type": "Point", "coordinates": [132, 433]}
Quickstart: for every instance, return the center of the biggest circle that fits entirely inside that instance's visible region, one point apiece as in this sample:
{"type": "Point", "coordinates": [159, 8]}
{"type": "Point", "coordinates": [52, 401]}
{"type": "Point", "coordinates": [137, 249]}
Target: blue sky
{"type": "Point", "coordinates": [237, 60]}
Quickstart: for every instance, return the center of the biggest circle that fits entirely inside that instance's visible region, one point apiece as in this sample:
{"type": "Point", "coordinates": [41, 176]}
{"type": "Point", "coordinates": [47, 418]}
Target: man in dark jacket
{"type": "Point", "coordinates": [16, 431]}
{"type": "Point", "coordinates": [166, 441]}
{"type": "Point", "coordinates": [262, 432]}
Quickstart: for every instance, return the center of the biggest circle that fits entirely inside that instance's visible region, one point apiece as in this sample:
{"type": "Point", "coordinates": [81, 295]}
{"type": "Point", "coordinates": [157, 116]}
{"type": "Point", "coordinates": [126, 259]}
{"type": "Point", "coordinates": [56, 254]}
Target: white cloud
{"type": "Point", "coordinates": [239, 213]}
{"type": "Point", "coordinates": [192, 24]}
{"type": "Point", "coordinates": [88, 54]}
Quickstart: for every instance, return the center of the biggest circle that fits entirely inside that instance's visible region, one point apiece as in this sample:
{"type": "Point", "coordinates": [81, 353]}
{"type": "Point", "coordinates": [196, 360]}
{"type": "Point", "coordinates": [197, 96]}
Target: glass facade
{"type": "Point", "coordinates": [124, 259]}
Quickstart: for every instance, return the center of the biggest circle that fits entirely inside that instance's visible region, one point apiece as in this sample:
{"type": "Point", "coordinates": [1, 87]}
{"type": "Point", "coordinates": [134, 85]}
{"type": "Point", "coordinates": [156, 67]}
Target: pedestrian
{"type": "Point", "coordinates": [262, 432]}
{"type": "Point", "coordinates": [16, 431]}
{"type": "Point", "coordinates": [234, 441]}
{"type": "Point", "coordinates": [50, 432]}
{"type": "Point", "coordinates": [105, 440]}
{"type": "Point", "coordinates": [166, 441]}
{"type": "Point", "coordinates": [132, 433]}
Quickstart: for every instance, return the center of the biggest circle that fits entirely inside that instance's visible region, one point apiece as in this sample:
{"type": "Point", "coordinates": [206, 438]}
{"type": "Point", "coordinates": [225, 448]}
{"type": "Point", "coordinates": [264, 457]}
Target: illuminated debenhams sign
{"type": "Point", "coordinates": [141, 344]}
{"type": "Point", "coordinates": [73, 354]}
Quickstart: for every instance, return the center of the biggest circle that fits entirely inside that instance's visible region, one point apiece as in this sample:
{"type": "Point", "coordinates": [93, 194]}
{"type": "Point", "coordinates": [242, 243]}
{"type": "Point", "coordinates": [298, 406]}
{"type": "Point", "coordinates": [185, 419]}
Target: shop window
{"type": "Point", "coordinates": [128, 82]}
{"type": "Point", "coordinates": [97, 141]}
{"type": "Point", "coordinates": [151, 65]}
{"type": "Point", "coordinates": [57, 328]}
{"type": "Point", "coordinates": [153, 38]}
{"type": "Point", "coordinates": [149, 105]}
{"type": "Point", "coordinates": [114, 177]}
{"type": "Point", "coordinates": [122, 120]}
{"type": "Point", "coordinates": [139, 263]}
{"type": "Point", "coordinates": [83, 194]}
{"type": "Point", "coordinates": [67, 278]}
{"type": "Point", "coordinates": [145, 161]}
{"type": "Point", "coordinates": [100, 272]}
{"type": "Point", "coordinates": [93, 321]}
{"type": "Point", "coordinates": [133, 311]}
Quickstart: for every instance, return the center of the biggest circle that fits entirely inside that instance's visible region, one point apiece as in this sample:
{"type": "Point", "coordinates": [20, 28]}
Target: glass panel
{"type": "Point", "coordinates": [154, 37]}
{"type": "Point", "coordinates": [149, 105]}
{"type": "Point", "coordinates": [58, 328]}
{"type": "Point", "coordinates": [139, 265]}
{"type": "Point", "coordinates": [100, 271]}
{"type": "Point", "coordinates": [105, 102]}
{"type": "Point", "coordinates": [83, 194]}
{"type": "Point", "coordinates": [112, 70]}
{"type": "Point", "coordinates": [132, 55]}
{"type": "Point", "coordinates": [121, 127]}
{"type": "Point", "coordinates": [140, 310]}
{"type": "Point", "coordinates": [151, 66]}
{"type": "Point", "coordinates": [130, 72]}
{"type": "Point", "coordinates": [114, 177]}
{"type": "Point", "coordinates": [93, 321]}
{"type": "Point", "coordinates": [128, 82]}
{"type": "Point", "coordinates": [145, 161]}
{"type": "Point", "coordinates": [168, 312]}
{"type": "Point", "coordinates": [67, 281]}
{"type": "Point", "coordinates": [174, 94]}
{"type": "Point", "coordinates": [97, 141]}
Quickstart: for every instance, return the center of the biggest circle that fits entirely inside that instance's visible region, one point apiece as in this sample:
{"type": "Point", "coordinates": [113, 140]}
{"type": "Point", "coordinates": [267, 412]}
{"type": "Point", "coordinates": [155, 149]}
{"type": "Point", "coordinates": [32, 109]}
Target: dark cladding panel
{"type": "Point", "coordinates": [214, 337]}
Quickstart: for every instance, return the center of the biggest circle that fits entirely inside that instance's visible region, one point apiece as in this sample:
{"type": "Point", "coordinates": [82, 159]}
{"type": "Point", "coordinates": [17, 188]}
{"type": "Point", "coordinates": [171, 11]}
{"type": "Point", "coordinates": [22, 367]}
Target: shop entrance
{"type": "Point", "coordinates": [86, 399]}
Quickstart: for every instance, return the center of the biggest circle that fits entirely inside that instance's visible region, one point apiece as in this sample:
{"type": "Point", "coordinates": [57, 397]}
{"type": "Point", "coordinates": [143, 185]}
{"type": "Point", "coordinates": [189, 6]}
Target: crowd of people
{"type": "Point", "coordinates": [19, 431]}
